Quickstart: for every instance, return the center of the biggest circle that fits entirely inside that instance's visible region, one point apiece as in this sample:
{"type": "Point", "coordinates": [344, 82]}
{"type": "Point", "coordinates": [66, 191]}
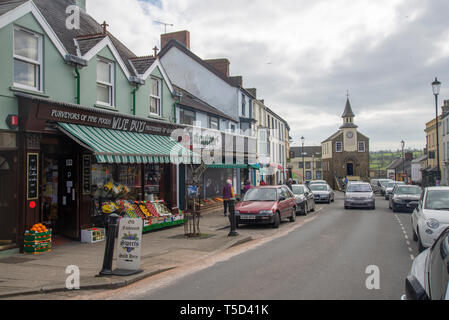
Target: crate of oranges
{"type": "Point", "coordinates": [37, 239]}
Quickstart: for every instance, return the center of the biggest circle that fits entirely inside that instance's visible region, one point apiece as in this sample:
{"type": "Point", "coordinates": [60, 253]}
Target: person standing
{"type": "Point", "coordinates": [228, 194]}
{"type": "Point", "coordinates": [262, 183]}
{"type": "Point", "coordinates": [289, 184]}
{"type": "Point", "coordinates": [246, 187]}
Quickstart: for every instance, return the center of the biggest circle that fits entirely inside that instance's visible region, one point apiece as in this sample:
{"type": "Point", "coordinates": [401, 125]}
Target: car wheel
{"type": "Point", "coordinates": [373, 207]}
{"type": "Point", "coordinates": [346, 207]}
{"type": "Point", "coordinates": [394, 209]}
{"type": "Point", "coordinates": [420, 246]}
{"type": "Point", "coordinates": [389, 205]}
{"type": "Point", "coordinates": [277, 220]}
{"type": "Point", "coordinates": [306, 209]}
{"type": "Point", "coordinates": [313, 209]}
{"type": "Point", "coordinates": [293, 216]}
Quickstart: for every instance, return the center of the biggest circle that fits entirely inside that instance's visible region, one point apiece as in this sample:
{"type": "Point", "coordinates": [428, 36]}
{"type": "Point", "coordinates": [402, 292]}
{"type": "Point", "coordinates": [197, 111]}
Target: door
{"type": "Point", "coordinates": [68, 198]}
{"type": "Point", "coordinates": [8, 210]}
{"type": "Point", "coordinates": [350, 169]}
{"type": "Point", "coordinates": [284, 204]}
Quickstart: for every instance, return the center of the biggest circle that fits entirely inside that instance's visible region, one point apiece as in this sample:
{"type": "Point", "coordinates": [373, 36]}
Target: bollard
{"type": "Point", "coordinates": [109, 247]}
{"type": "Point", "coordinates": [232, 233]}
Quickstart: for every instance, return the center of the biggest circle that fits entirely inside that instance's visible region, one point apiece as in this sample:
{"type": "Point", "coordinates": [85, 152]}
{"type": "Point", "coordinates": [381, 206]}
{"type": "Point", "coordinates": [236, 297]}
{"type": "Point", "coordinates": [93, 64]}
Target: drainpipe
{"type": "Point", "coordinates": [78, 85]}
{"type": "Point", "coordinates": [134, 99]}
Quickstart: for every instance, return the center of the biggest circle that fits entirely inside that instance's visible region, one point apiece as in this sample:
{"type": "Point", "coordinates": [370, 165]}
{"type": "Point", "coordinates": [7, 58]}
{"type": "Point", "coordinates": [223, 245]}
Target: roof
{"type": "Point", "coordinates": [348, 110]}
{"type": "Point", "coordinates": [191, 101]}
{"type": "Point", "coordinates": [8, 5]}
{"type": "Point", "coordinates": [308, 151]}
{"type": "Point", "coordinates": [141, 64]}
{"type": "Point", "coordinates": [419, 159]}
{"type": "Point", "coordinates": [339, 132]}
{"type": "Point", "coordinates": [397, 164]}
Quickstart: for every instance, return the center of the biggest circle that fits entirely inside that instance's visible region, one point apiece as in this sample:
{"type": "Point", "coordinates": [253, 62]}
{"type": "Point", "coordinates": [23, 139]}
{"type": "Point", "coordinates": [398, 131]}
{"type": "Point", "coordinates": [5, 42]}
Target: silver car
{"type": "Point", "coordinates": [404, 197]}
{"type": "Point", "coordinates": [322, 192]}
{"type": "Point", "coordinates": [361, 195]}
{"type": "Point", "coordinates": [304, 198]}
{"type": "Point", "coordinates": [390, 187]}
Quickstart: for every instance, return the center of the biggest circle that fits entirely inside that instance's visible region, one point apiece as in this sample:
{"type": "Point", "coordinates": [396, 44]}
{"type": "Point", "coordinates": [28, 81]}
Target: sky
{"type": "Point", "coordinates": [303, 56]}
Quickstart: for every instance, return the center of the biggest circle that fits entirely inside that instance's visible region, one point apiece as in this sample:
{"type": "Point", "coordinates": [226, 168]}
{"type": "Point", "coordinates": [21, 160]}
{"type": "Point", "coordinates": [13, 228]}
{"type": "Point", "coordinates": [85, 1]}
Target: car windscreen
{"type": "Point", "coordinates": [359, 188]}
{"type": "Point", "coordinates": [262, 194]}
{"type": "Point", "coordinates": [318, 187]}
{"type": "Point", "coordinates": [298, 189]}
{"type": "Point", "coordinates": [383, 183]}
{"type": "Point", "coordinates": [437, 200]}
{"type": "Point", "coordinates": [408, 190]}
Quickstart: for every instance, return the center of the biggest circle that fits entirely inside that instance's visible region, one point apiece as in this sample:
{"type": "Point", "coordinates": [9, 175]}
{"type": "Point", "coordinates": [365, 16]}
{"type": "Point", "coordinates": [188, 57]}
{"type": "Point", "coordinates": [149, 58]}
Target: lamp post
{"type": "Point", "coordinates": [303, 164]}
{"type": "Point", "coordinates": [436, 91]}
{"type": "Point", "coordinates": [402, 144]}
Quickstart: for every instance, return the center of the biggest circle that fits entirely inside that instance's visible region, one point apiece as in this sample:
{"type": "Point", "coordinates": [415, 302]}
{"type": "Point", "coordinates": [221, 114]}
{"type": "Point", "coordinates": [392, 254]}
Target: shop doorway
{"type": "Point", "coordinates": [8, 206]}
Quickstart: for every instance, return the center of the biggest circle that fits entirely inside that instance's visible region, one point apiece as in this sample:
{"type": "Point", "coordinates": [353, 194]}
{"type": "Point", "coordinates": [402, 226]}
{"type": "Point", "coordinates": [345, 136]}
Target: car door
{"type": "Point", "coordinates": [284, 201]}
{"type": "Point", "coordinates": [309, 197]}
{"type": "Point", "coordinates": [438, 268]}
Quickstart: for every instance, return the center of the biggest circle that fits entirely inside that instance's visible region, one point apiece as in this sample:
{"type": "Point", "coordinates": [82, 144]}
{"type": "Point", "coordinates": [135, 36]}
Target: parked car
{"type": "Point", "coordinates": [389, 188]}
{"type": "Point", "coordinates": [404, 197]}
{"type": "Point", "coordinates": [383, 185]}
{"type": "Point", "coordinates": [322, 192]}
{"type": "Point", "coordinates": [361, 195]}
{"type": "Point", "coordinates": [266, 205]}
{"type": "Point", "coordinates": [317, 182]}
{"type": "Point", "coordinates": [431, 216]}
{"type": "Point", "coordinates": [305, 201]}
{"type": "Point", "coordinates": [429, 274]}
{"type": "Point", "coordinates": [374, 185]}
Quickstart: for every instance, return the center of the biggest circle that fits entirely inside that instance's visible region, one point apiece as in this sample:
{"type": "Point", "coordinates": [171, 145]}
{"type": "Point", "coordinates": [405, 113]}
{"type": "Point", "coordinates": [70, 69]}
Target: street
{"type": "Point", "coordinates": [326, 258]}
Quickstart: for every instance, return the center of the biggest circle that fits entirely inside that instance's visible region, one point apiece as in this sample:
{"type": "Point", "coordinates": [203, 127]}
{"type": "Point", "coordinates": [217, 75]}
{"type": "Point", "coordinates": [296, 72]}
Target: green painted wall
{"type": "Point", "coordinates": [60, 83]}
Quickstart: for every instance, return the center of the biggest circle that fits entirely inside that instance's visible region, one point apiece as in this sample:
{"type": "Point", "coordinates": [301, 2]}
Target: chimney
{"type": "Point", "coordinates": [81, 4]}
{"type": "Point", "coordinates": [253, 92]}
{"type": "Point", "coordinates": [221, 65]}
{"type": "Point", "coordinates": [445, 107]}
{"type": "Point", "coordinates": [181, 36]}
{"type": "Point", "coordinates": [409, 156]}
{"type": "Point", "coordinates": [238, 80]}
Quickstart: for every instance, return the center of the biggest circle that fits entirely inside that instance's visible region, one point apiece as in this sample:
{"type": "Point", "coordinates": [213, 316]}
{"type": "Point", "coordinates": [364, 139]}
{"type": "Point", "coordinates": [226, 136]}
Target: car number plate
{"type": "Point", "coordinates": [247, 217]}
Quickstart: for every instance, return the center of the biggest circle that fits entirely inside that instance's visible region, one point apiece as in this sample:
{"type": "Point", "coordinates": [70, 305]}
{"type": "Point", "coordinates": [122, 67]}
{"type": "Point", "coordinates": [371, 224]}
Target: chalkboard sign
{"type": "Point", "coordinates": [87, 174]}
{"type": "Point", "coordinates": [32, 176]}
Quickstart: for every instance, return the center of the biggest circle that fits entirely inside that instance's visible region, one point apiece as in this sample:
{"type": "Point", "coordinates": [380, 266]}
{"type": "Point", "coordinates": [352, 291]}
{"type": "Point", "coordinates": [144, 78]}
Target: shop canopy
{"type": "Point", "coordinates": [114, 146]}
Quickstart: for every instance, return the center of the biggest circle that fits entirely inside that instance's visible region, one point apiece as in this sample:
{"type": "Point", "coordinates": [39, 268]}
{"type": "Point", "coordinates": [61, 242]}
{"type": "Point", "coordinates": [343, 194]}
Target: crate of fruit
{"type": "Point", "coordinates": [92, 235]}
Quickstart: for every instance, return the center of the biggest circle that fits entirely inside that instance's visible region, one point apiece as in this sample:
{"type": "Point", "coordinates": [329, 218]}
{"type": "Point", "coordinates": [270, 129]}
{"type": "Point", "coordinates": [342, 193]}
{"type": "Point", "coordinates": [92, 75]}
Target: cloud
{"type": "Point", "coordinates": [302, 56]}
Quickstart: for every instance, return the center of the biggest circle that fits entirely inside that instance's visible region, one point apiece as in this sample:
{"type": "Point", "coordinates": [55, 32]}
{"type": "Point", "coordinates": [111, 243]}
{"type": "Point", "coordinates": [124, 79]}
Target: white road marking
{"type": "Point", "coordinates": [408, 242]}
{"type": "Point", "coordinates": [410, 249]}
{"type": "Point", "coordinates": [412, 257]}
{"type": "Point", "coordinates": [406, 237]}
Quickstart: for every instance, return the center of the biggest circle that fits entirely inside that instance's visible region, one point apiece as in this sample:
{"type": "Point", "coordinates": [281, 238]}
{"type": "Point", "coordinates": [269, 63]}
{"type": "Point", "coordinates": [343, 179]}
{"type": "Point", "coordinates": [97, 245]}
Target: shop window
{"type": "Point", "coordinates": [125, 175]}
{"type": "Point", "coordinates": [27, 59]}
{"type": "Point", "coordinates": [155, 97]}
{"type": "Point", "coordinates": [152, 179]}
{"type": "Point", "coordinates": [105, 82]}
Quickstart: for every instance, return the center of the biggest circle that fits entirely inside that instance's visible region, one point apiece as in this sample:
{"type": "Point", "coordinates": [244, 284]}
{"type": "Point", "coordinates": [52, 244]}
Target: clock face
{"type": "Point", "coordinates": [349, 135]}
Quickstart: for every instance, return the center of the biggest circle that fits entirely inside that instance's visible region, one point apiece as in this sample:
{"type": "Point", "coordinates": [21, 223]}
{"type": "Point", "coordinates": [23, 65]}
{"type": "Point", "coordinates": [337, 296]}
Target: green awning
{"type": "Point", "coordinates": [114, 146]}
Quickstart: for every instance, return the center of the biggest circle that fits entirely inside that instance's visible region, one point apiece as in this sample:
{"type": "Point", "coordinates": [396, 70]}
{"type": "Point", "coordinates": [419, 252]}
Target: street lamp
{"type": "Point", "coordinates": [402, 144]}
{"type": "Point", "coordinates": [303, 165]}
{"type": "Point", "coordinates": [436, 91]}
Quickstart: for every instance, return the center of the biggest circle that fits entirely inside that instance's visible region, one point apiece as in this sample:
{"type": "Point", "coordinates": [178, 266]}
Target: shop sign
{"type": "Point", "coordinates": [129, 243]}
{"type": "Point", "coordinates": [87, 174]}
{"type": "Point", "coordinates": [32, 176]}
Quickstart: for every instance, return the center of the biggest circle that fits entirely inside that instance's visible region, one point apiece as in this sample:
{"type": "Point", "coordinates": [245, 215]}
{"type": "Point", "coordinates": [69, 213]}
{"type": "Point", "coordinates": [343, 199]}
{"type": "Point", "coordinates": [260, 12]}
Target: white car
{"type": "Point", "coordinates": [431, 216]}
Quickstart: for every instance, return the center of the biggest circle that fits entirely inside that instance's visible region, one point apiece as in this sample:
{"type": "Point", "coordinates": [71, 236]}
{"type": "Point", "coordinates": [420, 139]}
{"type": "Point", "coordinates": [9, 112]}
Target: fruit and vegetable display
{"type": "Point", "coordinates": [37, 239]}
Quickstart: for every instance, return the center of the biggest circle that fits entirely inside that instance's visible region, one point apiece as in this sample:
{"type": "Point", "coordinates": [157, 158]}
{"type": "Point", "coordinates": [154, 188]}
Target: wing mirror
{"type": "Point", "coordinates": [414, 289]}
{"type": "Point", "coordinates": [281, 198]}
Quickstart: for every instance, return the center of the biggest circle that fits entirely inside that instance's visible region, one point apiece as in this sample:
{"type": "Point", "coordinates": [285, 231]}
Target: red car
{"type": "Point", "coordinates": [266, 205]}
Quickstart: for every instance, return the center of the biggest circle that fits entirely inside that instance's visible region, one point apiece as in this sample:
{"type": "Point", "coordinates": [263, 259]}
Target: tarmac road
{"type": "Point", "coordinates": [327, 258]}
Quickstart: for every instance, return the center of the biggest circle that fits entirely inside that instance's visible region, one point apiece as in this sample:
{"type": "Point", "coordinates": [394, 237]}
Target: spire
{"type": "Point", "coordinates": [348, 110]}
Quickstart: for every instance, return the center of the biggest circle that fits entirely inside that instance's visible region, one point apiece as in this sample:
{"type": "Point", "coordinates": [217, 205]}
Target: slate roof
{"type": "Point", "coordinates": [141, 64]}
{"type": "Point", "coordinates": [308, 150]}
{"type": "Point", "coordinates": [89, 34]}
{"type": "Point", "coordinates": [192, 102]}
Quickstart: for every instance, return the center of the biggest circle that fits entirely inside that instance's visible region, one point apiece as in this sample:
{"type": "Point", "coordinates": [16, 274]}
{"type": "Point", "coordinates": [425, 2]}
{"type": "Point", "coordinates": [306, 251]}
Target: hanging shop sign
{"type": "Point", "coordinates": [32, 176]}
{"type": "Point", "coordinates": [129, 244]}
{"type": "Point", "coordinates": [87, 174]}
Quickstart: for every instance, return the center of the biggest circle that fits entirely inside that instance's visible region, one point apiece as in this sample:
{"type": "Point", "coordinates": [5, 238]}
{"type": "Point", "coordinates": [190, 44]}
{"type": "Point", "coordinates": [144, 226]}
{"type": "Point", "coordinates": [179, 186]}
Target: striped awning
{"type": "Point", "coordinates": [114, 146]}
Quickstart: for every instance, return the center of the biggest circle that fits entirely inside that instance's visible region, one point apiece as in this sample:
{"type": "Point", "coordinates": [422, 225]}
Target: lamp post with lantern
{"type": "Point", "coordinates": [303, 164]}
{"type": "Point", "coordinates": [436, 85]}
{"type": "Point", "coordinates": [402, 144]}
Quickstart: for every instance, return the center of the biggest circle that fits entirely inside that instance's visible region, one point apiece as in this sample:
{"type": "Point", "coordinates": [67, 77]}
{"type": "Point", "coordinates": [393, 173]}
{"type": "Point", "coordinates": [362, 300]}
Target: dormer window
{"type": "Point", "coordinates": [27, 59]}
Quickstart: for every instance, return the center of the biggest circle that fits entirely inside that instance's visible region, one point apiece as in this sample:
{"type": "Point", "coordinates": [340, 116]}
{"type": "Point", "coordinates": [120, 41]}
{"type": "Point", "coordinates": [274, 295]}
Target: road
{"type": "Point", "coordinates": [326, 258]}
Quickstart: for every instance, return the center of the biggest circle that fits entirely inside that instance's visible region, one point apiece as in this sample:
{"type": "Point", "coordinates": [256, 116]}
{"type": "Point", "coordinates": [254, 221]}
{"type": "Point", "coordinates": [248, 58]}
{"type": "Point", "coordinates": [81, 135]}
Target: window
{"type": "Point", "coordinates": [105, 82]}
{"type": "Point", "coordinates": [318, 175]}
{"type": "Point", "coordinates": [301, 165]}
{"type": "Point", "coordinates": [213, 123]}
{"type": "Point", "coordinates": [27, 59]}
{"type": "Point", "coordinates": [233, 127]}
{"type": "Point", "coordinates": [307, 164]}
{"type": "Point", "coordinates": [361, 147]}
{"type": "Point", "coordinates": [308, 175]}
{"type": "Point", "coordinates": [155, 96]}
{"type": "Point", "coordinates": [318, 164]}
{"type": "Point", "coordinates": [338, 146]}
{"type": "Point", "coordinates": [186, 117]}
{"type": "Point", "coordinates": [243, 105]}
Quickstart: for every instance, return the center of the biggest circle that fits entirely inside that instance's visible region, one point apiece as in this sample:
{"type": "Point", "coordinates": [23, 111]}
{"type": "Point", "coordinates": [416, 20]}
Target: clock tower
{"type": "Point", "coordinates": [349, 129]}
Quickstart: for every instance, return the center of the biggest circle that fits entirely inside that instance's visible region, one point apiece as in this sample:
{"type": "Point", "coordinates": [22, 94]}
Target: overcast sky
{"type": "Point", "coordinates": [303, 55]}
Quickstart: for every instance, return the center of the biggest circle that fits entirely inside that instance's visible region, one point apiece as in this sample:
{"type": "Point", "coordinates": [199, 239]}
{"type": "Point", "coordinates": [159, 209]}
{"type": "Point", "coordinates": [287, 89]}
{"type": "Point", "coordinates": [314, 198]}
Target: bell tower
{"type": "Point", "coordinates": [349, 128]}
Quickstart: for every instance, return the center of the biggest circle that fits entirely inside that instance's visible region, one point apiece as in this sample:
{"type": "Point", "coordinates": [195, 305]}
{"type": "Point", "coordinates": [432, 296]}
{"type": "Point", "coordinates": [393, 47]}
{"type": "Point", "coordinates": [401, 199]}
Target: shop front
{"type": "Point", "coordinates": [79, 161]}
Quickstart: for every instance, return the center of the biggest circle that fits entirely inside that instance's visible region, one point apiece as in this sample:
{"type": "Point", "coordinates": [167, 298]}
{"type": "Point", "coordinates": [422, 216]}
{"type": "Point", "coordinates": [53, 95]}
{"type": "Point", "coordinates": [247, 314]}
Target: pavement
{"type": "Point", "coordinates": [162, 250]}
